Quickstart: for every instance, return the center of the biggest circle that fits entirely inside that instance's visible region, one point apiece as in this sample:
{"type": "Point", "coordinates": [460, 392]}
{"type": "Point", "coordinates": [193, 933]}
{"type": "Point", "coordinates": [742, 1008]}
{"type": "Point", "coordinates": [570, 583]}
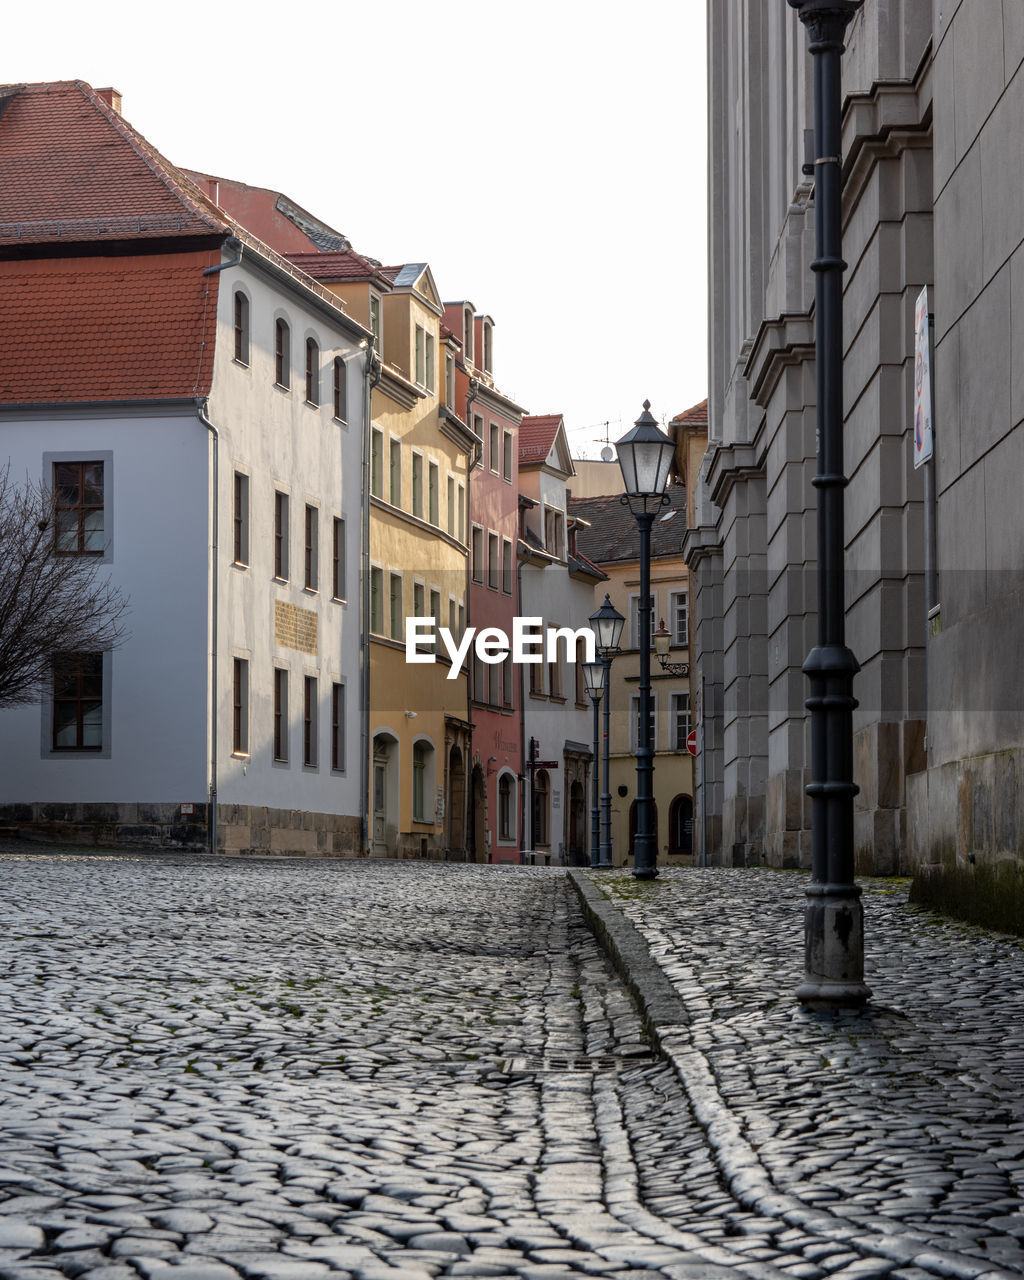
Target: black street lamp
{"type": "Point", "coordinates": [645, 458]}
{"type": "Point", "coordinates": [834, 915]}
{"type": "Point", "coordinates": [607, 624]}
{"type": "Point", "coordinates": [662, 639]}
{"type": "Point", "coordinates": [594, 674]}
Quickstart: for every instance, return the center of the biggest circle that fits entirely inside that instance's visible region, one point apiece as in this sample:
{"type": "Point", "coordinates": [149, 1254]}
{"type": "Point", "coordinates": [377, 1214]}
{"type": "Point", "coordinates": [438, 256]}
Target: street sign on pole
{"type": "Point", "coordinates": [691, 742]}
{"type": "Point", "coordinates": [544, 764]}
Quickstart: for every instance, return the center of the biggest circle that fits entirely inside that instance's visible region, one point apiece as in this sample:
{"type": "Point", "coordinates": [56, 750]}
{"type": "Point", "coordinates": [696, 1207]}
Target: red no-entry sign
{"type": "Point", "coordinates": [691, 742]}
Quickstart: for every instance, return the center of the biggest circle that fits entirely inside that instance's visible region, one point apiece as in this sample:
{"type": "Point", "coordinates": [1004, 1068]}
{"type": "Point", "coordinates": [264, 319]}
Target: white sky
{"type": "Point", "coordinates": [548, 159]}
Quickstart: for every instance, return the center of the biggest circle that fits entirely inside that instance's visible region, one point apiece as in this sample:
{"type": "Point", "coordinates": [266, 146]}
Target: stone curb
{"type": "Point", "coordinates": [666, 1020]}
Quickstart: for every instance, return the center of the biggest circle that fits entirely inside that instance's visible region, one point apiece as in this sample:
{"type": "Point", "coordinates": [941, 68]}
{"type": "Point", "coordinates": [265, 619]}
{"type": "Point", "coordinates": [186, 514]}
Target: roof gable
{"type": "Point", "coordinates": [419, 279]}
{"type": "Point", "coordinates": [72, 170]}
{"type": "Point", "coordinates": [543, 442]}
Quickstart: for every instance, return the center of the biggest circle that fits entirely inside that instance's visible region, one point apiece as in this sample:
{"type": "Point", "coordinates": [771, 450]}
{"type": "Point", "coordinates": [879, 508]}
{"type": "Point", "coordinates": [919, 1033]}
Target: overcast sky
{"type": "Point", "coordinates": [548, 159]}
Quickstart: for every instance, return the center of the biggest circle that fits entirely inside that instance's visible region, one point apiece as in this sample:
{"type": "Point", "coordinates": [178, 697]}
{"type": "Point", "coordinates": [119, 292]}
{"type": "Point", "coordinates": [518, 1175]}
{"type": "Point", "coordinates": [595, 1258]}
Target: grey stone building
{"type": "Point", "coordinates": [932, 151]}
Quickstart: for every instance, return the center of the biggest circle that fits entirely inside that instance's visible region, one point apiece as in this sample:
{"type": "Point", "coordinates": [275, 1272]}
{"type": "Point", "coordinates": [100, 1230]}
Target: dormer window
{"type": "Point", "coordinates": [467, 330]}
{"type": "Point", "coordinates": [282, 354]}
{"type": "Point", "coordinates": [488, 344]}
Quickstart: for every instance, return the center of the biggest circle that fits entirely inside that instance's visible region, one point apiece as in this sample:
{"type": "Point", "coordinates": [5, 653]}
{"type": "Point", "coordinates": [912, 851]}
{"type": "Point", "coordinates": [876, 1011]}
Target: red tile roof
{"type": "Point", "coordinates": [698, 414]}
{"type": "Point", "coordinates": [107, 328]}
{"type": "Point", "coordinates": [343, 264]}
{"type": "Point", "coordinates": [536, 436]}
{"type": "Point", "coordinates": [72, 169]}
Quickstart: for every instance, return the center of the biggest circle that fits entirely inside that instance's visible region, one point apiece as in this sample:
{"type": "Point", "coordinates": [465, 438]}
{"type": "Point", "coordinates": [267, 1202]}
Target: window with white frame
{"type": "Point", "coordinates": [449, 382]}
{"type": "Point", "coordinates": [424, 358]}
{"type": "Point", "coordinates": [494, 448]}
{"type": "Point", "coordinates": [395, 602]}
{"type": "Point", "coordinates": [395, 473]}
{"type": "Point", "coordinates": [507, 576]}
{"type": "Point", "coordinates": [377, 462]}
{"type": "Point", "coordinates": [450, 506]}
{"type": "Point", "coordinates": [682, 721]}
{"type": "Point", "coordinates": [433, 496]}
{"type": "Point", "coordinates": [506, 457]}
{"type": "Point", "coordinates": [679, 611]}
{"type": "Point", "coordinates": [281, 714]}
{"type": "Point", "coordinates": [240, 707]}
{"type": "Point", "coordinates": [417, 484]}
{"type": "Point", "coordinates": [461, 535]}
{"type": "Point", "coordinates": [478, 554]}
{"type": "Point", "coordinates": [241, 327]}
{"type": "Point", "coordinates": [493, 564]}
{"type": "Point", "coordinates": [554, 532]}
{"type": "Point", "coordinates": [375, 320]}
{"type": "Point", "coordinates": [377, 600]}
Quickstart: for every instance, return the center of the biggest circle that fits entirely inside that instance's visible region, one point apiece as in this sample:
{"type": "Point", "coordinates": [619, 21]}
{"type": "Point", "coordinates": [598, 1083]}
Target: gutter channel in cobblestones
{"type": "Point", "coordinates": [666, 1020]}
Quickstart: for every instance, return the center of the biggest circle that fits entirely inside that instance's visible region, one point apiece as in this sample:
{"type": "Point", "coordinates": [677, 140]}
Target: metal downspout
{"type": "Point", "coordinates": [371, 376]}
{"type": "Point", "coordinates": [201, 405]}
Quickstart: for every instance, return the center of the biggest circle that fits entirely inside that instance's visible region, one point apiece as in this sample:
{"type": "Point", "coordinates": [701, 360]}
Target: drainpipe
{"type": "Point", "coordinates": [371, 376]}
{"type": "Point", "coordinates": [201, 411]}
{"type": "Point", "coordinates": [474, 387]}
{"type": "Point", "coordinates": [235, 247]}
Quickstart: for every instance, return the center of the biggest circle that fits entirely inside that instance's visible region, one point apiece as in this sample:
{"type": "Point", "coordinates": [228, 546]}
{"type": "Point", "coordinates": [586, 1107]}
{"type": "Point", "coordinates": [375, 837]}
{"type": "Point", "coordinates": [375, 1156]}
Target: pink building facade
{"type": "Point", "coordinates": [496, 787]}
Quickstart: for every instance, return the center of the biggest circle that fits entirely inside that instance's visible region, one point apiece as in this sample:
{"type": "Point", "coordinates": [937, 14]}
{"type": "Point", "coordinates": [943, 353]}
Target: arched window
{"type": "Point", "coordinates": [312, 371]}
{"type": "Point", "coordinates": [506, 807]}
{"type": "Point", "coordinates": [541, 802]}
{"type": "Point", "coordinates": [422, 782]}
{"type": "Point", "coordinates": [241, 327]}
{"type": "Point", "coordinates": [340, 391]}
{"type": "Point", "coordinates": [680, 826]}
{"type": "Point", "coordinates": [282, 354]}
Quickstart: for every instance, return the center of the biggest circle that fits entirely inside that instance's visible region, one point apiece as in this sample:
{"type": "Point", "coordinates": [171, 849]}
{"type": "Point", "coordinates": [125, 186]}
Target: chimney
{"type": "Point", "coordinates": [112, 97]}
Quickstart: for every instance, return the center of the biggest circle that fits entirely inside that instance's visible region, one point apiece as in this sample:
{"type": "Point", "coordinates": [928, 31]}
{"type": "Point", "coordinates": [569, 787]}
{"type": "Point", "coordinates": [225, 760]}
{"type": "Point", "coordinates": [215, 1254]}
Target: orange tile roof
{"type": "Point", "coordinates": [536, 436]}
{"type": "Point", "coordinates": [337, 265]}
{"type": "Point", "coordinates": [698, 414]}
{"type": "Point", "coordinates": [72, 169]}
{"type": "Point", "coordinates": [107, 328]}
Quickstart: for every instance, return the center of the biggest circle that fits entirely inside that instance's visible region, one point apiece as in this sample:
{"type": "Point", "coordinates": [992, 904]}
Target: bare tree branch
{"type": "Point", "coordinates": [49, 604]}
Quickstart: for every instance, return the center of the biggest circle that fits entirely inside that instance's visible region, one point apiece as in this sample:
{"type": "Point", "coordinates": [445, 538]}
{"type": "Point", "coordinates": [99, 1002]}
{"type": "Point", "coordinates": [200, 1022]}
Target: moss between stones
{"type": "Point", "coordinates": [989, 894]}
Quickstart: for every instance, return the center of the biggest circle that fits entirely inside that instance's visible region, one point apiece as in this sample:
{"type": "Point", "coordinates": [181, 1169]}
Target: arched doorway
{"type": "Point", "coordinates": [384, 796]}
{"type": "Point", "coordinates": [680, 827]}
{"type": "Point", "coordinates": [541, 829]}
{"type": "Point", "coordinates": [456, 806]}
{"type": "Point", "coordinates": [632, 825]}
{"type": "Point", "coordinates": [576, 854]}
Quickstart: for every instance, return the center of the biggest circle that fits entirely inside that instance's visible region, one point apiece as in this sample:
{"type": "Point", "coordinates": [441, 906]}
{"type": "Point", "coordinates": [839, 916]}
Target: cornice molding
{"type": "Point", "coordinates": [778, 344]}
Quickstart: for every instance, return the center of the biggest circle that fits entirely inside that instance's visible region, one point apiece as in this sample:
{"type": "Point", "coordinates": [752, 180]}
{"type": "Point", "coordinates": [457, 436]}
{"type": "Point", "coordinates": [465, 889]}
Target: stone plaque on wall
{"type": "Point", "coordinates": [295, 628]}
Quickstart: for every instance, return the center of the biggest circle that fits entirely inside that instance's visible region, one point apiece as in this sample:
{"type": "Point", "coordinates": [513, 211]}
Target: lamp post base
{"type": "Point", "coordinates": [833, 948]}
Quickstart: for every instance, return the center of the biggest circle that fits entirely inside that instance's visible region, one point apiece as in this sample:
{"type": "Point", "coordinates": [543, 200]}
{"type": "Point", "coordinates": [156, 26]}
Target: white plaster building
{"type": "Point", "coordinates": [557, 585]}
{"type": "Point", "coordinates": [199, 404]}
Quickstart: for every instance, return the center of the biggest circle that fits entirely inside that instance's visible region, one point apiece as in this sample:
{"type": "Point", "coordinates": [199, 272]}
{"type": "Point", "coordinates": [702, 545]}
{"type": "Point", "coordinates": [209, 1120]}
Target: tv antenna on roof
{"type": "Point", "coordinates": [607, 453]}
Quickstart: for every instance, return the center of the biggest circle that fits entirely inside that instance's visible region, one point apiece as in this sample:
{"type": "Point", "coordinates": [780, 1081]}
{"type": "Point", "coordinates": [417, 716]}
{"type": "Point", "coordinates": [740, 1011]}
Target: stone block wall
{"type": "Point", "coordinates": [151, 825]}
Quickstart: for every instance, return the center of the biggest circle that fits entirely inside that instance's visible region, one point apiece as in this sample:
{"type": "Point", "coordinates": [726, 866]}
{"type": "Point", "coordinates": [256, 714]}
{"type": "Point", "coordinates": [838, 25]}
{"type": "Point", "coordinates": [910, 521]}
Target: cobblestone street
{"type": "Point", "coordinates": [288, 1070]}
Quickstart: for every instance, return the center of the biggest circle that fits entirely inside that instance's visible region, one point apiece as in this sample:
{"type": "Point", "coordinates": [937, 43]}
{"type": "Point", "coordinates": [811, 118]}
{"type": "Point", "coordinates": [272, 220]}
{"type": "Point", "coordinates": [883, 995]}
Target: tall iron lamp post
{"type": "Point", "coordinates": [594, 675]}
{"type": "Point", "coordinates": [606, 624]}
{"type": "Point", "coordinates": [834, 915]}
{"type": "Point", "coordinates": [645, 458]}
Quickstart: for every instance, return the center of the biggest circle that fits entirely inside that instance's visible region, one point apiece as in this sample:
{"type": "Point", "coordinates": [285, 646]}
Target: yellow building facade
{"type": "Point", "coordinates": [418, 454]}
{"type": "Point", "coordinates": [612, 543]}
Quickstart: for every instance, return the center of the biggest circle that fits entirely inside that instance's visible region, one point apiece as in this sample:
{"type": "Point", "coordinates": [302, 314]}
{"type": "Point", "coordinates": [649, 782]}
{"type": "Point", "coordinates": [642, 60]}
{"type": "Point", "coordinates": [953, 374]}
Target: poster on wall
{"type": "Point", "coordinates": [922, 382]}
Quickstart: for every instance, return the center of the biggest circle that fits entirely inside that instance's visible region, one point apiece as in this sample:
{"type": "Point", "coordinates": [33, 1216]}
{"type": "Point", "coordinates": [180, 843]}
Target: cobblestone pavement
{"type": "Point", "coordinates": [893, 1136]}
{"type": "Point", "coordinates": [264, 1070]}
